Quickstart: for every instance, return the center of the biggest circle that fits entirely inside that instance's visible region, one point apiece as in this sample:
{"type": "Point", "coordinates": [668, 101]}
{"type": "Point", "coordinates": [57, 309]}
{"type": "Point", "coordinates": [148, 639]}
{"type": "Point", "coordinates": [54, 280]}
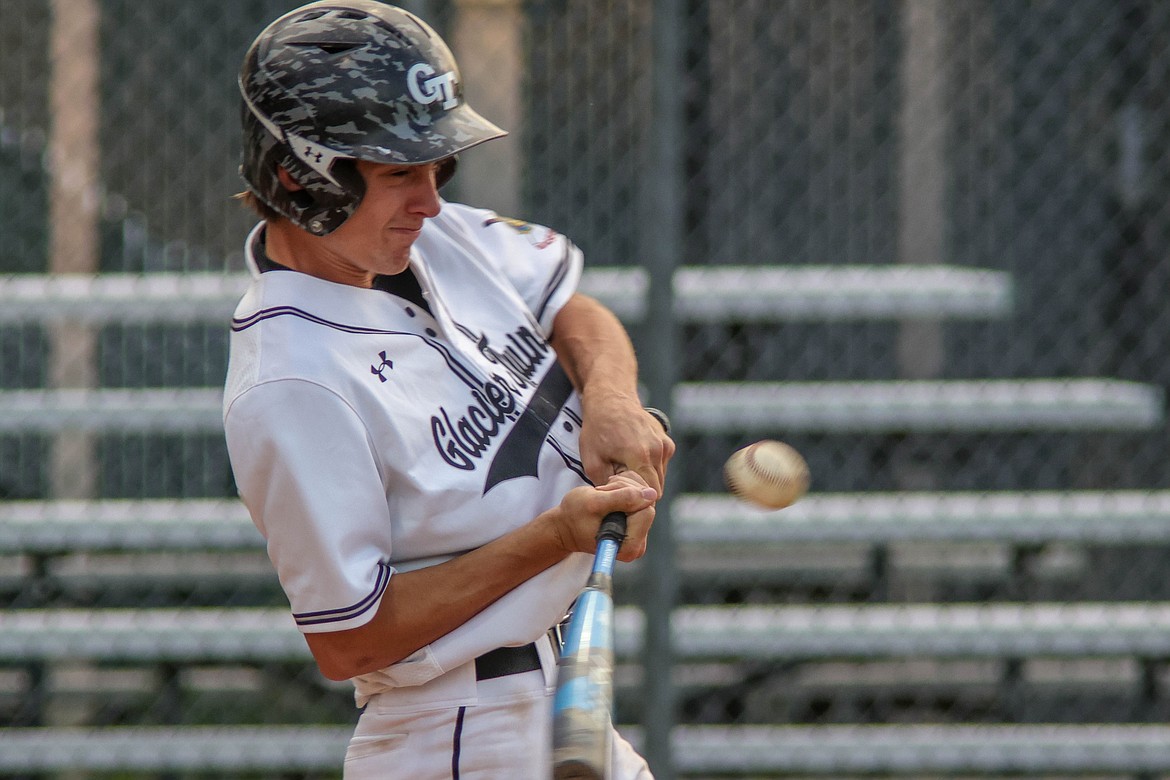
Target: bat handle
{"type": "Point", "coordinates": [613, 527]}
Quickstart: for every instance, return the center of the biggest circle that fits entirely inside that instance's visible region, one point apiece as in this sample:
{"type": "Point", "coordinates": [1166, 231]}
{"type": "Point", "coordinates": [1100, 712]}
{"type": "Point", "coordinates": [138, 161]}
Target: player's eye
{"type": "Point", "coordinates": [408, 172]}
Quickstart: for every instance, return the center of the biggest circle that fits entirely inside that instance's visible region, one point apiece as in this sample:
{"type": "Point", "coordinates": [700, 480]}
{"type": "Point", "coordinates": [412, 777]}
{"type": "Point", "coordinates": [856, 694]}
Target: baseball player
{"type": "Point", "coordinates": [424, 419]}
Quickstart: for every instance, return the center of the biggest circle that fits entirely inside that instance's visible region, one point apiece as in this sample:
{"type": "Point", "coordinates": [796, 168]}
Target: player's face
{"type": "Point", "coordinates": [377, 237]}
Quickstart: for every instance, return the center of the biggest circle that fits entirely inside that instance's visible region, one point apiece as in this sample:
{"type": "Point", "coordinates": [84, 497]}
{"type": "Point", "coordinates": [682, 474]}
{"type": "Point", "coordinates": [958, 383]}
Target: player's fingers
{"type": "Point", "coordinates": [668, 450]}
{"type": "Point", "coordinates": [637, 531]}
{"type": "Point", "coordinates": [646, 462]}
{"type": "Point", "coordinates": [625, 478]}
{"type": "Point", "coordinates": [658, 454]}
{"type": "Point", "coordinates": [653, 477]}
{"type": "Point", "coordinates": [636, 503]}
{"type": "Point", "coordinates": [597, 469]}
{"type": "Point", "coordinates": [625, 496]}
{"type": "Point", "coordinates": [583, 509]}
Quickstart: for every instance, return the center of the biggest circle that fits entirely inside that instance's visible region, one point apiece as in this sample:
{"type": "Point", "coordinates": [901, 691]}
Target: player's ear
{"type": "Point", "coordinates": [286, 179]}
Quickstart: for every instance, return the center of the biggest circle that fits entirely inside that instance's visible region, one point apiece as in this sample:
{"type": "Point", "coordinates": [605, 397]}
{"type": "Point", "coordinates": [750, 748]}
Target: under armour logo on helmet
{"type": "Point", "coordinates": [425, 87]}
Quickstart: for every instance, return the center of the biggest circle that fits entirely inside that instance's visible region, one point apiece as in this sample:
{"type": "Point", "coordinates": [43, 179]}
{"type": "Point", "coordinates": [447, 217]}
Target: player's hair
{"type": "Point", "coordinates": [335, 82]}
{"type": "Point", "coordinates": [257, 206]}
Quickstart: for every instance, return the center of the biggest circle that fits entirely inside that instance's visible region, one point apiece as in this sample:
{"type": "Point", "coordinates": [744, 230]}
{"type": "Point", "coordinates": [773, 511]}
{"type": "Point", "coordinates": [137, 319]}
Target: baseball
{"type": "Point", "coordinates": [769, 473]}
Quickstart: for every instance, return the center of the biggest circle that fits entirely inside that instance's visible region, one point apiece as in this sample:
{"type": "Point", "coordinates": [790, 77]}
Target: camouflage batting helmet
{"type": "Point", "coordinates": [335, 82]}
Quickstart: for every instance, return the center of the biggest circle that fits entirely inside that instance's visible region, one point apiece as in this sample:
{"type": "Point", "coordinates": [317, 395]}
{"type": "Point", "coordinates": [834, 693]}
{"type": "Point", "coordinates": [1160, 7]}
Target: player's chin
{"type": "Point", "coordinates": [396, 248]}
{"type": "Point", "coordinates": [395, 262]}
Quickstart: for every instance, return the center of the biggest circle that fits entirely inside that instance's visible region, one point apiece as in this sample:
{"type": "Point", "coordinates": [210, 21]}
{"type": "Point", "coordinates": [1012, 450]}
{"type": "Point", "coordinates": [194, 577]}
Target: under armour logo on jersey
{"type": "Point", "coordinates": [386, 363]}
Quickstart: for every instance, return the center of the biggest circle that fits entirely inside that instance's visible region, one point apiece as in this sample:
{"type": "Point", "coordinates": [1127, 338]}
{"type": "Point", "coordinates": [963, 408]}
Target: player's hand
{"type": "Point", "coordinates": [578, 518]}
{"type": "Point", "coordinates": [618, 433]}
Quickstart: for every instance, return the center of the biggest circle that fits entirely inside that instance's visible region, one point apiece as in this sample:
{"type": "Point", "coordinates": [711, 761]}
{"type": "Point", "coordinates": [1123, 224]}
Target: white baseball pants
{"type": "Point", "coordinates": [504, 735]}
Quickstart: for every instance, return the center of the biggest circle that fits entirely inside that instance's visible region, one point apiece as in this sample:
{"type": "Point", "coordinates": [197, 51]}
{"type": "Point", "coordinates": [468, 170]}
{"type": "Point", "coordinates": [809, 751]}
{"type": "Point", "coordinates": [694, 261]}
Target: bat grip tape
{"type": "Point", "coordinates": [613, 527]}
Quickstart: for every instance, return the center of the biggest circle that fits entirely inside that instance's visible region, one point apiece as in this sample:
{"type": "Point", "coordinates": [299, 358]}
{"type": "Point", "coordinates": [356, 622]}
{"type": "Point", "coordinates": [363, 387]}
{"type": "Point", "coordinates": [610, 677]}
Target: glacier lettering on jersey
{"type": "Point", "coordinates": [463, 439]}
{"type": "Point", "coordinates": [522, 355]}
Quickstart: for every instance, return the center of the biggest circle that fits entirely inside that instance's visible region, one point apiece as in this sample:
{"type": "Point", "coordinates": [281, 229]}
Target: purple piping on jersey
{"type": "Point", "coordinates": [571, 463]}
{"type": "Point", "coordinates": [554, 284]}
{"type": "Point", "coordinates": [348, 613]}
{"type": "Point", "coordinates": [465, 374]}
{"type": "Point", "coordinates": [457, 746]}
{"type": "Point", "coordinates": [278, 311]}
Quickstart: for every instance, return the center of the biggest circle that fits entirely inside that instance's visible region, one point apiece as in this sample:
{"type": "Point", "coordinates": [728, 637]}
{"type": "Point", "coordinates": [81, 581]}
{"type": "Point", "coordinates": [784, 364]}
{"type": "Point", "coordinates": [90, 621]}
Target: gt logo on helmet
{"type": "Point", "coordinates": [426, 87]}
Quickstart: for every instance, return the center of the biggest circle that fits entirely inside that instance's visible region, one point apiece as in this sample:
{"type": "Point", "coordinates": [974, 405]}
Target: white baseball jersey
{"type": "Point", "coordinates": [369, 435]}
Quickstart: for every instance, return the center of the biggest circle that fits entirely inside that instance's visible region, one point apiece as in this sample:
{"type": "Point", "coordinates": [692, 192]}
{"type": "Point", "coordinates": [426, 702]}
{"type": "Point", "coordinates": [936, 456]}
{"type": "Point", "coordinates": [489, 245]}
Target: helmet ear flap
{"type": "Point", "coordinates": [320, 205]}
{"type": "Point", "coordinates": [446, 170]}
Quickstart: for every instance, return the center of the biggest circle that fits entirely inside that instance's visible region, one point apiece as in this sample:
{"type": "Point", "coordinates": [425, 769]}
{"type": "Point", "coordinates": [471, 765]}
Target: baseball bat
{"type": "Point", "coordinates": [583, 702]}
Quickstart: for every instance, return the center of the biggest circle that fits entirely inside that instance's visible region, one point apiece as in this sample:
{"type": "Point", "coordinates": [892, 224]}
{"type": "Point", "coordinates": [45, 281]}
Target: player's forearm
{"type": "Point", "coordinates": [420, 606]}
{"type": "Point", "coordinates": [617, 433]}
{"type": "Point", "coordinates": [595, 350]}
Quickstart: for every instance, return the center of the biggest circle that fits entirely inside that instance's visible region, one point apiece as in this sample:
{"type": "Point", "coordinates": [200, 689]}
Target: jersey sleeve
{"type": "Point", "coordinates": [306, 471]}
{"type": "Point", "coordinates": [541, 264]}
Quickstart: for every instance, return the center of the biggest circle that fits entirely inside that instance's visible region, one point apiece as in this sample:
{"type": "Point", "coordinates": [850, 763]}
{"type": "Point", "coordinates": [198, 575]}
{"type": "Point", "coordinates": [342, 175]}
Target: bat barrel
{"type": "Point", "coordinates": [580, 752]}
{"type": "Point", "coordinates": [583, 703]}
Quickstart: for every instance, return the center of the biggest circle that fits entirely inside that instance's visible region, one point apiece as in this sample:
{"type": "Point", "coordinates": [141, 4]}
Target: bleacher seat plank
{"type": "Point", "coordinates": [121, 410]}
{"type": "Point", "coordinates": [1023, 517]}
{"type": "Point", "coordinates": [67, 526]}
{"type": "Point", "coordinates": [992, 630]}
{"type": "Point", "coordinates": [757, 632]}
{"type": "Point", "coordinates": [151, 635]}
{"type": "Point", "coordinates": [1106, 517]}
{"type": "Point", "coordinates": [100, 299]}
{"type": "Point", "coordinates": [703, 294]}
{"type": "Point", "coordinates": [903, 750]}
{"type": "Point", "coordinates": [187, 748]}
{"type": "Point", "coordinates": [832, 293]}
{"type": "Point", "coordinates": [976, 406]}
{"type": "Point", "coordinates": [828, 751]}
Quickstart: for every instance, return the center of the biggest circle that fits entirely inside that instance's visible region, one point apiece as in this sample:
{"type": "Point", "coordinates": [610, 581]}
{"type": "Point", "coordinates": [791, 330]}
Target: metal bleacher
{"type": "Point", "coordinates": [744, 751]}
{"type": "Point", "coordinates": [733, 645]}
{"type": "Point", "coordinates": [740, 633]}
{"type": "Point", "coordinates": [749, 634]}
{"type": "Point", "coordinates": [702, 294]}
{"type": "Point", "coordinates": [1102, 517]}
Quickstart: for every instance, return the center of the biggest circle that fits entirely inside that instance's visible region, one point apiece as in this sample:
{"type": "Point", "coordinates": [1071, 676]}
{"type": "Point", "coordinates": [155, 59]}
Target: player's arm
{"type": "Point", "coordinates": [599, 358]}
{"type": "Point", "coordinates": [420, 606]}
{"type": "Point", "coordinates": [328, 543]}
{"type": "Point", "coordinates": [591, 344]}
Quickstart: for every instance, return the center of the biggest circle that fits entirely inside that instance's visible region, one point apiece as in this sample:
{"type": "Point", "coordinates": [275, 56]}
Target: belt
{"type": "Point", "coordinates": [504, 661]}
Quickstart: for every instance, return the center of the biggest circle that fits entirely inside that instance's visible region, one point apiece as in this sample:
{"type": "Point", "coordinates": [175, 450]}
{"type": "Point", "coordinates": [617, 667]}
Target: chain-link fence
{"type": "Point", "coordinates": [940, 230]}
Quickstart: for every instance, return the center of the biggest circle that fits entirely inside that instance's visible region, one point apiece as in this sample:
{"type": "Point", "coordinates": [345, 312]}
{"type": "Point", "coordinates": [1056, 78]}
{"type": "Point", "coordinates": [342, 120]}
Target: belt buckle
{"type": "Point", "coordinates": [557, 633]}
